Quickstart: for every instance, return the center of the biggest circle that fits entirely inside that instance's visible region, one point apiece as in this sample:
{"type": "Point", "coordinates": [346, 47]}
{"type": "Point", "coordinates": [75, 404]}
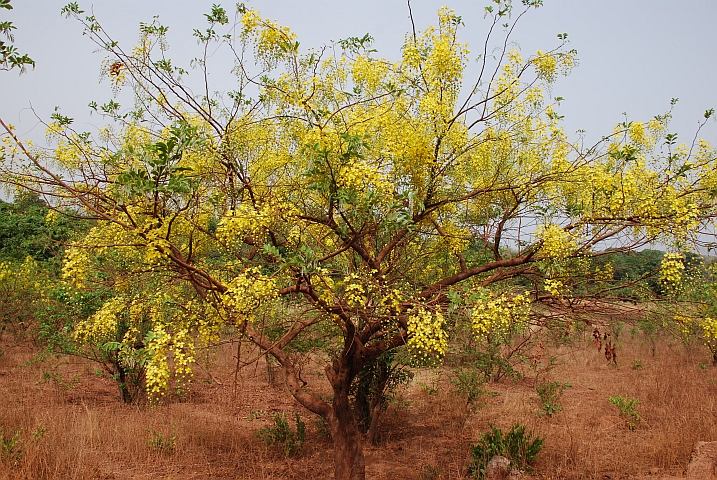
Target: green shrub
{"type": "Point", "coordinates": [161, 443]}
{"type": "Point", "coordinates": [628, 410]}
{"type": "Point", "coordinates": [519, 447]}
{"type": "Point", "coordinates": [550, 394]}
{"type": "Point", "coordinates": [281, 432]}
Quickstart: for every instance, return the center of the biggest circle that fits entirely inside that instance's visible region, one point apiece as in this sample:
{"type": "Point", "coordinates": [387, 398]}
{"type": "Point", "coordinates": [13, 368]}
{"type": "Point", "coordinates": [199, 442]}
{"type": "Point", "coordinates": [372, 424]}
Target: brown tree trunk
{"type": "Point", "coordinates": [349, 463]}
{"type": "Point", "coordinates": [375, 414]}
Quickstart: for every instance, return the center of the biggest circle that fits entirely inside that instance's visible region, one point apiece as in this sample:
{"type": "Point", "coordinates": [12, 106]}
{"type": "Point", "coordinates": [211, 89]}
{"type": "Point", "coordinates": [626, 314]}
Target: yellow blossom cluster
{"type": "Point", "coordinates": [547, 65]}
{"type": "Point", "coordinates": [158, 247]}
{"type": "Point", "coordinates": [158, 371]}
{"type": "Point", "coordinates": [685, 327]}
{"type": "Point", "coordinates": [556, 242]}
{"type": "Point", "coordinates": [639, 136]}
{"type": "Point", "coordinates": [28, 276]}
{"type": "Point", "coordinates": [440, 61]}
{"type": "Point", "coordinates": [427, 337]}
{"type": "Point", "coordinates": [709, 333]}
{"type": "Point", "coordinates": [555, 287]}
{"type": "Point", "coordinates": [247, 291]}
{"type": "Point", "coordinates": [271, 40]}
{"type": "Point", "coordinates": [500, 314]}
{"type": "Point", "coordinates": [247, 221]}
{"type": "Point", "coordinates": [456, 237]}
{"type": "Point", "coordinates": [390, 302]}
{"type": "Point", "coordinates": [605, 272]}
{"type": "Point", "coordinates": [361, 176]}
{"type": "Point", "coordinates": [354, 291]}
{"type": "Point", "coordinates": [76, 266]}
{"type": "Point", "coordinates": [671, 270]}
{"type": "Point", "coordinates": [101, 327]}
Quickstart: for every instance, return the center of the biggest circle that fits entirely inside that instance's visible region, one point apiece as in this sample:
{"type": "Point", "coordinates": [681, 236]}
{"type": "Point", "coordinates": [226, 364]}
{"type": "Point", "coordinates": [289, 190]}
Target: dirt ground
{"type": "Point", "coordinates": [59, 419]}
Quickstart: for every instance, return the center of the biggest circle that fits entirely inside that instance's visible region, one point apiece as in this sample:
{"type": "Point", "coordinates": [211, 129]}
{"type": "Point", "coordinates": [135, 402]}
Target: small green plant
{"type": "Point", "coordinates": [58, 379]}
{"type": "Point", "coordinates": [429, 472]}
{"type": "Point", "coordinates": [254, 414]}
{"type": "Point", "coordinates": [10, 445]}
{"type": "Point", "coordinates": [637, 365]}
{"type": "Point", "coordinates": [628, 410]}
{"type": "Point", "coordinates": [550, 394]}
{"type": "Point", "coordinates": [281, 432]}
{"type": "Point", "coordinates": [519, 447]}
{"type": "Point", "coordinates": [468, 382]}
{"type": "Point", "coordinates": [161, 443]}
{"type": "Point", "coordinates": [431, 389]}
{"type": "Point", "coordinates": [38, 433]}
{"type": "Point", "coordinates": [322, 428]}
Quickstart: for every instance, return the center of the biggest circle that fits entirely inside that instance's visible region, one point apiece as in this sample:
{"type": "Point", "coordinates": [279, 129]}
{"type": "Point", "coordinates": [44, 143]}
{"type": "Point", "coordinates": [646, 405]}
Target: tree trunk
{"type": "Point", "coordinates": [349, 463]}
{"type": "Point", "coordinates": [375, 414]}
{"type": "Point", "coordinates": [121, 380]}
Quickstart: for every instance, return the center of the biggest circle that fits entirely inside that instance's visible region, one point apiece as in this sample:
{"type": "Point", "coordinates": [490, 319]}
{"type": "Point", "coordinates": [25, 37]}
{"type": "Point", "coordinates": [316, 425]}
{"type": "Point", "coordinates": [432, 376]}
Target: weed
{"type": "Point", "coordinates": [628, 410]}
{"type": "Point", "coordinates": [254, 414]}
{"type": "Point", "coordinates": [400, 403]}
{"type": "Point", "coordinates": [38, 433]}
{"type": "Point", "coordinates": [519, 447]}
{"type": "Point", "coordinates": [161, 443]}
{"type": "Point", "coordinates": [431, 389]}
{"type": "Point", "coordinates": [322, 428]}
{"type": "Point", "coordinates": [281, 432]}
{"type": "Point", "coordinates": [10, 445]}
{"type": "Point", "coordinates": [637, 365]}
{"type": "Point", "coordinates": [429, 472]}
{"type": "Point", "coordinates": [550, 394]}
{"type": "Point", "coordinates": [58, 380]}
{"type": "Point", "coordinates": [468, 382]}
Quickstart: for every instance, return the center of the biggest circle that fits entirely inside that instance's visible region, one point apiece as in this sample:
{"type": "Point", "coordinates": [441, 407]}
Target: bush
{"type": "Point", "coordinates": [628, 410]}
{"type": "Point", "coordinates": [281, 432]}
{"type": "Point", "coordinates": [550, 394]}
{"type": "Point", "coordinates": [519, 447]}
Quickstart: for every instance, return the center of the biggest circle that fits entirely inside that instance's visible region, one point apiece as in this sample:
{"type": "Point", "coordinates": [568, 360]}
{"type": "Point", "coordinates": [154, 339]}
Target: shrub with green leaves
{"type": "Point", "coordinates": [628, 410]}
{"type": "Point", "coordinates": [281, 432]}
{"type": "Point", "coordinates": [550, 394]}
{"type": "Point", "coordinates": [518, 446]}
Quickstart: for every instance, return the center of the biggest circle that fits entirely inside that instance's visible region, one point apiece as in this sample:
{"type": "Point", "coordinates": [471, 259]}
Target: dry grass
{"type": "Point", "coordinates": [73, 426]}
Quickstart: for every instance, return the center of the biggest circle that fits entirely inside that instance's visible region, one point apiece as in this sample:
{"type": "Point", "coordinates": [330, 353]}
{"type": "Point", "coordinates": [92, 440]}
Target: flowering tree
{"type": "Point", "coordinates": [347, 200]}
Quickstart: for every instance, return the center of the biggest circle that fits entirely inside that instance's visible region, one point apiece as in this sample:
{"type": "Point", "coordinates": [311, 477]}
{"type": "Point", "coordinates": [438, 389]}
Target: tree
{"type": "Point", "coordinates": [340, 200]}
{"type": "Point", "coordinates": [9, 56]}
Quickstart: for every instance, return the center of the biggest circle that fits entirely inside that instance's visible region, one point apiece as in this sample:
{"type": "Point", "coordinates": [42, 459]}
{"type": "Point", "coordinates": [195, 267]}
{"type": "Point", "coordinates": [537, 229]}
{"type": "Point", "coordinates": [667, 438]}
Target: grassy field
{"type": "Point", "coordinates": [59, 419]}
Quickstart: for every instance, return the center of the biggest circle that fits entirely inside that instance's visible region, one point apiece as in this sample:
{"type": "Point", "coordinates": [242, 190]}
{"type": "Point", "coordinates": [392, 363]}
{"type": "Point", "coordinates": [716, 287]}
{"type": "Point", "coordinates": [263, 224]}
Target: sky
{"type": "Point", "coordinates": [635, 55]}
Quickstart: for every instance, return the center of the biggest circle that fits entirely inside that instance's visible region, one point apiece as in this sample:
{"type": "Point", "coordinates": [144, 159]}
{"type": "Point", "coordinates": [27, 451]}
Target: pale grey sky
{"type": "Point", "coordinates": [635, 55]}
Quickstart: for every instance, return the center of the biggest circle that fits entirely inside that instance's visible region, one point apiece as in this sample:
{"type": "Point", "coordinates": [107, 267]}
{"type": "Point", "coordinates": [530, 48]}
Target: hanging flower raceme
{"type": "Point", "coordinates": [556, 242]}
{"type": "Point", "coordinates": [671, 271]}
{"type": "Point", "coordinates": [246, 293]}
{"type": "Point", "coordinates": [427, 337]}
{"type": "Point", "coordinates": [709, 333]}
{"type": "Point", "coordinates": [499, 315]}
